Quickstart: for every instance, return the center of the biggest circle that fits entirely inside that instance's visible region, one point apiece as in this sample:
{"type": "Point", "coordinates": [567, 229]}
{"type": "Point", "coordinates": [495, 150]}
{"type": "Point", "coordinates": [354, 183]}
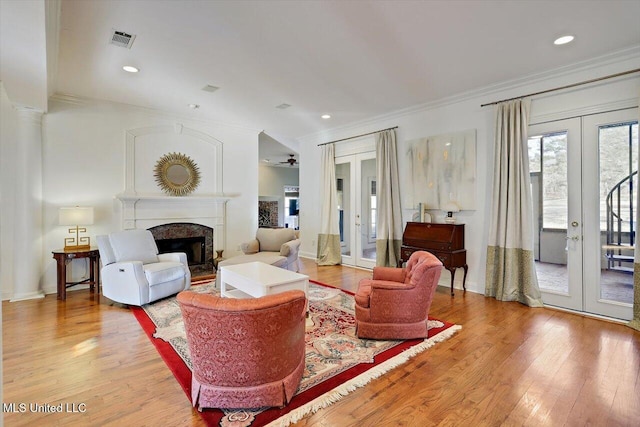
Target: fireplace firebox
{"type": "Point", "coordinates": [193, 247]}
{"type": "Point", "coordinates": [195, 240]}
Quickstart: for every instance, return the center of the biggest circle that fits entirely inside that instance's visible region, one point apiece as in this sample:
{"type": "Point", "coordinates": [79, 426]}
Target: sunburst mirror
{"type": "Point", "coordinates": [177, 174]}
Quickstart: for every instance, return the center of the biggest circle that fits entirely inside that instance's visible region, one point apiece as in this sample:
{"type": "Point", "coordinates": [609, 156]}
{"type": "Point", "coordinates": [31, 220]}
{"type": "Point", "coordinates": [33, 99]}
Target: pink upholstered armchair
{"type": "Point", "coordinates": [395, 303]}
{"type": "Point", "coordinates": [245, 353]}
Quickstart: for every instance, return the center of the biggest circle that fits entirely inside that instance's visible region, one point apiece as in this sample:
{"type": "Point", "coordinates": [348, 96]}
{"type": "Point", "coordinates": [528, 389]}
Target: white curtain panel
{"type": "Point", "coordinates": [635, 322]}
{"type": "Point", "coordinates": [329, 237]}
{"type": "Point", "coordinates": [389, 221]}
{"type": "Point", "coordinates": [511, 274]}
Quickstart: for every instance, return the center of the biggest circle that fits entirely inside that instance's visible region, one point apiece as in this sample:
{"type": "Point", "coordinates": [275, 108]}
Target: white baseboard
{"type": "Point", "coordinates": [27, 296]}
{"type": "Point", "coordinates": [47, 290]}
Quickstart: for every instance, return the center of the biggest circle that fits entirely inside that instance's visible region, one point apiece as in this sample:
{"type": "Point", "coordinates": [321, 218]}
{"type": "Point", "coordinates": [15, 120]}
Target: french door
{"type": "Point", "coordinates": [356, 187]}
{"type": "Point", "coordinates": [583, 180]}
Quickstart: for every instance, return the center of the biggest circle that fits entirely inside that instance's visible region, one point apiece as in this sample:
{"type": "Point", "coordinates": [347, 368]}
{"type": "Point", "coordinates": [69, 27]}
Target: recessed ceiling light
{"type": "Point", "coordinates": [326, 116]}
{"type": "Point", "coordinates": [563, 40]}
{"type": "Point", "coordinates": [130, 69]}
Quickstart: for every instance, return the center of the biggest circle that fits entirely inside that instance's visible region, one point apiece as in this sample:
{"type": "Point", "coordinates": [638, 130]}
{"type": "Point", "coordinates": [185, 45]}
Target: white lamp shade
{"type": "Point", "coordinates": [77, 215]}
{"type": "Point", "coordinates": [451, 206]}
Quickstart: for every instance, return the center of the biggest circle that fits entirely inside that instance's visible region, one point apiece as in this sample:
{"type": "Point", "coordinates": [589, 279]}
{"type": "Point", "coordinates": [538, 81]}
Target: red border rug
{"type": "Point", "coordinates": [314, 398]}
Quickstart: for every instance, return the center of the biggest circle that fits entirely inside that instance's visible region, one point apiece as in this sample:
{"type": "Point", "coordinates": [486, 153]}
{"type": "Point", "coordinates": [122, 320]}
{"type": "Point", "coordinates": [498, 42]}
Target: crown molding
{"type": "Point", "coordinates": [619, 57]}
{"type": "Point", "coordinates": [84, 101]}
{"type": "Point", "coordinates": [30, 115]}
{"type": "Point", "coordinates": [70, 99]}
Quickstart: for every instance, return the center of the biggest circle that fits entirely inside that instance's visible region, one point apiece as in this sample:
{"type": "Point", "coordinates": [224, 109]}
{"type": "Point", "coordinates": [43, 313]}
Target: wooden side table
{"type": "Point", "coordinates": [62, 257]}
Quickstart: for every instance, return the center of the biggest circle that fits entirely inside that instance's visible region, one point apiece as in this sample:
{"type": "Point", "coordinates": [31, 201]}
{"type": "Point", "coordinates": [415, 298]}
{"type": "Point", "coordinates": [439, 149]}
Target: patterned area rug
{"type": "Point", "coordinates": [337, 362]}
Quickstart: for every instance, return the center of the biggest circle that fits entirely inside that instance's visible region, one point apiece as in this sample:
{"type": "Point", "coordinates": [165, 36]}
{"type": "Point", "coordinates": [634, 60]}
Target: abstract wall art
{"type": "Point", "coordinates": [442, 169]}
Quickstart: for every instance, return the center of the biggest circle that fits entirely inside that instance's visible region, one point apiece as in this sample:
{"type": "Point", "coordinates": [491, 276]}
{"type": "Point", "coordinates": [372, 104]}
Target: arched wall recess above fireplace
{"type": "Point", "coordinates": [144, 146]}
{"type": "Point", "coordinates": [144, 205]}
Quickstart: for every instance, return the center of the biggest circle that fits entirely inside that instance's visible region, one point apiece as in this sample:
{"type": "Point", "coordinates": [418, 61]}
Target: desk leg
{"type": "Point", "coordinates": [92, 274]}
{"type": "Point", "coordinates": [62, 278]}
{"type": "Point", "coordinates": [452, 270]}
{"type": "Point", "coordinates": [98, 275]}
{"type": "Point", "coordinates": [464, 278]}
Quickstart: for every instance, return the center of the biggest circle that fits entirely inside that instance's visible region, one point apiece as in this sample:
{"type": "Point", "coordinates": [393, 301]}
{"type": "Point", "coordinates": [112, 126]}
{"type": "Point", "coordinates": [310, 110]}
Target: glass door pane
{"type": "Point", "coordinates": [367, 209]}
{"type": "Point", "coordinates": [618, 153]}
{"type": "Point", "coordinates": [611, 150]}
{"type": "Point", "coordinates": [343, 186]}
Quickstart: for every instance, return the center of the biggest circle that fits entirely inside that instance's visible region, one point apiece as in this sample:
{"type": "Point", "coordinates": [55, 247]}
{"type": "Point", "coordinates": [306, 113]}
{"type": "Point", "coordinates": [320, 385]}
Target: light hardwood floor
{"type": "Point", "coordinates": [509, 365]}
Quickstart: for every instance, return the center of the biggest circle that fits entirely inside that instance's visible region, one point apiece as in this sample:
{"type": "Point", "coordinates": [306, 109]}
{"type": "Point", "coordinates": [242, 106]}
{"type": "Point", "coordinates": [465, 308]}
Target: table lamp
{"type": "Point", "coordinates": [450, 207]}
{"type": "Point", "coordinates": [76, 216]}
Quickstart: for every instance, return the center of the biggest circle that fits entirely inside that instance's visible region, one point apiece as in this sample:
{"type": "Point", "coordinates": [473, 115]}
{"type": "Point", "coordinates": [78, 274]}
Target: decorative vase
{"type": "Point", "coordinates": [218, 258]}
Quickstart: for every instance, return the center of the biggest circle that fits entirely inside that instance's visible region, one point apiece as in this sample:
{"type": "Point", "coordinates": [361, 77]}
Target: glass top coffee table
{"type": "Point", "coordinates": [257, 279]}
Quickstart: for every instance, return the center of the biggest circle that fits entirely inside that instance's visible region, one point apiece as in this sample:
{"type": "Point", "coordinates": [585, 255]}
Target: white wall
{"type": "Point", "coordinates": [8, 153]}
{"type": "Point", "coordinates": [84, 158]}
{"type": "Point", "coordinates": [272, 180]}
{"type": "Point", "coordinates": [464, 113]}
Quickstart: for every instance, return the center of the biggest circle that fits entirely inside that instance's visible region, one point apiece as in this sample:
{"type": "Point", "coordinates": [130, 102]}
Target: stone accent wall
{"type": "Point", "coordinates": [267, 214]}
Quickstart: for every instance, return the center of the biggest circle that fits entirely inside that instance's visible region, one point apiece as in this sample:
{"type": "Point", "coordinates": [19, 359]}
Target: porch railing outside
{"type": "Point", "coordinates": [621, 225]}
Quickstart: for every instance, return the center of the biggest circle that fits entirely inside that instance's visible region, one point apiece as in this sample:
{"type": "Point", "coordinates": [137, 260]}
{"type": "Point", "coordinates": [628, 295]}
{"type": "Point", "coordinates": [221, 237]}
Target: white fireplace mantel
{"type": "Point", "coordinates": [214, 197]}
{"type": "Point", "coordinates": [143, 211]}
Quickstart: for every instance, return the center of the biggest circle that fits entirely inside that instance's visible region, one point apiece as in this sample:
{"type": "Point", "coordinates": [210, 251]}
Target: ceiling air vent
{"type": "Point", "coordinates": [122, 39]}
{"type": "Point", "coordinates": [210, 88]}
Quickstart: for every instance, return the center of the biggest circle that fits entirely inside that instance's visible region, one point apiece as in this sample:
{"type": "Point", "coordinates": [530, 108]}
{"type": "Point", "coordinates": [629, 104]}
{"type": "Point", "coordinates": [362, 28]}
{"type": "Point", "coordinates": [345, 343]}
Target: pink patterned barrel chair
{"type": "Point", "coordinates": [245, 353]}
{"type": "Point", "coordinates": [395, 303]}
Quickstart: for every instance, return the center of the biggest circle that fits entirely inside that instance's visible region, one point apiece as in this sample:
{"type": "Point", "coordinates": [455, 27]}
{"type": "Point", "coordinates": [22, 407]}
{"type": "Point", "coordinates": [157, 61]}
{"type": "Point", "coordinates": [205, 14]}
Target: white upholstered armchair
{"type": "Point", "coordinates": [134, 273]}
{"type": "Point", "coordinates": [276, 246]}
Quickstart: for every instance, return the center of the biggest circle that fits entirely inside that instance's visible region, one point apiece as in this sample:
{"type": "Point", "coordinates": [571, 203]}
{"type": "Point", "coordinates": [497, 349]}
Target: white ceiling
{"type": "Point", "coordinates": [352, 59]}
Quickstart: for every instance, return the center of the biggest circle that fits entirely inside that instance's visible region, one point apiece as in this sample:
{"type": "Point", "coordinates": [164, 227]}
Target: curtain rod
{"type": "Point", "coordinates": [566, 87]}
{"type": "Point", "coordinates": [357, 136]}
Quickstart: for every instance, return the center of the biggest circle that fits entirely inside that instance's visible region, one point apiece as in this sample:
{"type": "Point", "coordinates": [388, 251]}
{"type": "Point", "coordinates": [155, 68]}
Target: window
{"type": "Point", "coordinates": [291, 206]}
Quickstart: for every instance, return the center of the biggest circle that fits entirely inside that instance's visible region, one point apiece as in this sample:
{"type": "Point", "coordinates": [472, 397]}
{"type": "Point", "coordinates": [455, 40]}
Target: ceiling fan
{"type": "Point", "coordinates": [291, 160]}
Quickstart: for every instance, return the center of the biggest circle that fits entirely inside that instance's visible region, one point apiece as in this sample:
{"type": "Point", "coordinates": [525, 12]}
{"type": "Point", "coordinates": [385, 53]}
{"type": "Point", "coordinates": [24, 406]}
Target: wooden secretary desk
{"type": "Point", "coordinates": [445, 241]}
